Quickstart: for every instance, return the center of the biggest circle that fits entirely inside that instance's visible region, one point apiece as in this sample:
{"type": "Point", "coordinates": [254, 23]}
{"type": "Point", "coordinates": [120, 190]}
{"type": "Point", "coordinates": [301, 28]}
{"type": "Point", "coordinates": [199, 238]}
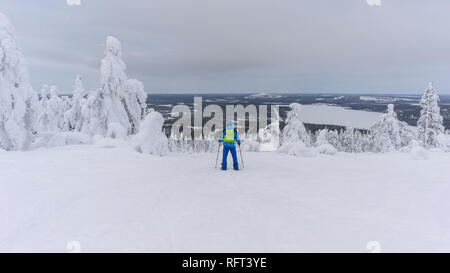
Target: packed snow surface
{"type": "Point", "coordinates": [111, 198]}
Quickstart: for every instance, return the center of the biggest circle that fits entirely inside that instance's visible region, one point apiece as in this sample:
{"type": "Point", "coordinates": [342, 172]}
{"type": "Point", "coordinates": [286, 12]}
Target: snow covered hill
{"type": "Point", "coordinates": [110, 198]}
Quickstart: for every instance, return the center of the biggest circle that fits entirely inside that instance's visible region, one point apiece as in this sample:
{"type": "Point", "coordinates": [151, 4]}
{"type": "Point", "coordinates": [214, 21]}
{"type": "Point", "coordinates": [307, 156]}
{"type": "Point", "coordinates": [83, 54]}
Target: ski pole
{"type": "Point", "coordinates": [218, 152]}
{"type": "Point", "coordinates": [242, 159]}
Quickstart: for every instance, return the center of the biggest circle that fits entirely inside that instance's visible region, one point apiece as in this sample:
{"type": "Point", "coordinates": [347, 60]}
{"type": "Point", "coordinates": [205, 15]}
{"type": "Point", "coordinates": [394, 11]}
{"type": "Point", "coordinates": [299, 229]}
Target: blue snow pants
{"type": "Point", "coordinates": [232, 150]}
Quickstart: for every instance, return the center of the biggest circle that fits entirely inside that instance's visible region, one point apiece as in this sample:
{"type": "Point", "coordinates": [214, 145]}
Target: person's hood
{"type": "Point", "coordinates": [230, 125]}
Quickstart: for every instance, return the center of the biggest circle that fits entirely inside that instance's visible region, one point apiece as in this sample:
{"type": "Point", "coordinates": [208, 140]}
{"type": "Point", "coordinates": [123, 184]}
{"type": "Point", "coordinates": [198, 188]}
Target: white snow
{"type": "Point", "coordinates": [335, 115]}
{"type": "Point", "coordinates": [419, 153]}
{"type": "Point", "coordinates": [297, 149]}
{"type": "Point", "coordinates": [68, 138]}
{"type": "Point", "coordinates": [151, 139]}
{"type": "Point", "coordinates": [111, 198]}
{"type": "Point", "coordinates": [326, 149]}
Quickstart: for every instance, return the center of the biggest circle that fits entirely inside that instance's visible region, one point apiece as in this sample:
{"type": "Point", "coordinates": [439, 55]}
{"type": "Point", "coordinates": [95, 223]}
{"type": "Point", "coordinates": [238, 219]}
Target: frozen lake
{"type": "Point", "coordinates": [358, 111]}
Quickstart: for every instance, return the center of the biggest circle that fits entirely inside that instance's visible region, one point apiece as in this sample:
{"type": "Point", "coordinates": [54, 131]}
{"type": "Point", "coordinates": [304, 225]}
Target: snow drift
{"type": "Point", "coordinates": [151, 139]}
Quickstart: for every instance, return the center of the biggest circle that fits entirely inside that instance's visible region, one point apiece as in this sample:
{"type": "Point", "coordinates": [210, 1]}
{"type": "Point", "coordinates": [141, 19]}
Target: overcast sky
{"type": "Point", "coordinates": [241, 45]}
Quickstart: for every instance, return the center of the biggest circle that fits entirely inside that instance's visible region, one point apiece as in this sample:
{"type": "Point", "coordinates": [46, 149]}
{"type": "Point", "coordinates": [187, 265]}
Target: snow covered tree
{"type": "Point", "coordinates": [294, 131]}
{"type": "Point", "coordinates": [322, 144]}
{"type": "Point", "coordinates": [134, 99]}
{"type": "Point", "coordinates": [43, 121]}
{"type": "Point", "coordinates": [66, 104]}
{"type": "Point", "coordinates": [321, 137]}
{"type": "Point", "coordinates": [72, 118]}
{"type": "Point", "coordinates": [368, 142]}
{"type": "Point", "coordinates": [119, 100]}
{"type": "Point", "coordinates": [104, 105]}
{"type": "Point", "coordinates": [151, 139]}
{"type": "Point", "coordinates": [389, 133]}
{"type": "Point", "coordinates": [18, 102]}
{"type": "Point", "coordinates": [333, 139]}
{"type": "Point", "coordinates": [295, 139]}
{"type": "Point", "coordinates": [351, 140]}
{"type": "Point", "coordinates": [94, 114]}
{"type": "Point", "coordinates": [55, 111]}
{"type": "Point", "coordinates": [430, 124]}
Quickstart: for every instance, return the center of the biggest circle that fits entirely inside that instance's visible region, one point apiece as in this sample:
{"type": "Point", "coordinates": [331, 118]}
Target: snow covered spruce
{"type": "Point", "coordinates": [18, 103]}
{"type": "Point", "coordinates": [430, 124]}
{"type": "Point", "coordinates": [386, 135]}
{"type": "Point", "coordinates": [115, 110]}
{"type": "Point", "coordinates": [120, 103]}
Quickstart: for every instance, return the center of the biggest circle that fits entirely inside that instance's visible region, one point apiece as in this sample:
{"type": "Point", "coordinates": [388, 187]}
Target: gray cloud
{"type": "Point", "coordinates": [241, 45]}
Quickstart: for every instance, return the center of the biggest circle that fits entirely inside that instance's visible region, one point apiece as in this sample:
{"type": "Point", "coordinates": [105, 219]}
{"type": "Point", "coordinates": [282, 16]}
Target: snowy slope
{"type": "Point", "coordinates": [114, 199]}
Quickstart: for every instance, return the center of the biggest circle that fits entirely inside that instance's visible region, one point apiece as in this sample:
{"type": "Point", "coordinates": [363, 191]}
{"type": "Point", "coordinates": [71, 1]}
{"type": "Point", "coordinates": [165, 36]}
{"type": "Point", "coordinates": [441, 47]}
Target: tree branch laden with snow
{"type": "Point", "coordinates": [430, 124]}
{"type": "Point", "coordinates": [18, 102]}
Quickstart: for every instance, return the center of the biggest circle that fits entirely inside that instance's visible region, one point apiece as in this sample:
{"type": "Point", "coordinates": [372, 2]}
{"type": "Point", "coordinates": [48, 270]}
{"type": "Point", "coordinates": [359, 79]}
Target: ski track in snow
{"type": "Point", "coordinates": [114, 199]}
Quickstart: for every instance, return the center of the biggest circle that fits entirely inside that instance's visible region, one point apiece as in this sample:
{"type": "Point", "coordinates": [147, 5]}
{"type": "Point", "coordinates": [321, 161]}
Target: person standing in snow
{"type": "Point", "coordinates": [229, 138]}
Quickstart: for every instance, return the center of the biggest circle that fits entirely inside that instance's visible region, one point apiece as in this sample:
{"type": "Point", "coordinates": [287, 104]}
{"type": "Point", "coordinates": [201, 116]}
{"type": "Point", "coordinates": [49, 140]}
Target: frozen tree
{"type": "Point", "coordinates": [18, 102]}
{"type": "Point", "coordinates": [66, 104]}
{"type": "Point", "coordinates": [333, 139]}
{"type": "Point", "coordinates": [94, 114]}
{"type": "Point", "coordinates": [386, 131]}
{"type": "Point", "coordinates": [351, 140]}
{"type": "Point", "coordinates": [134, 99]}
{"type": "Point", "coordinates": [55, 111]}
{"type": "Point", "coordinates": [322, 144]}
{"type": "Point", "coordinates": [72, 118]}
{"type": "Point", "coordinates": [368, 142]}
{"type": "Point", "coordinates": [104, 105]}
{"type": "Point", "coordinates": [359, 140]}
{"type": "Point", "coordinates": [294, 130]}
{"type": "Point", "coordinates": [321, 137]}
{"type": "Point", "coordinates": [43, 121]}
{"type": "Point", "coordinates": [295, 139]}
{"type": "Point", "coordinates": [119, 100]}
{"type": "Point", "coordinates": [112, 81]}
{"type": "Point", "coordinates": [430, 124]}
{"type": "Point", "coordinates": [151, 139]}
{"type": "Point", "coordinates": [346, 140]}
